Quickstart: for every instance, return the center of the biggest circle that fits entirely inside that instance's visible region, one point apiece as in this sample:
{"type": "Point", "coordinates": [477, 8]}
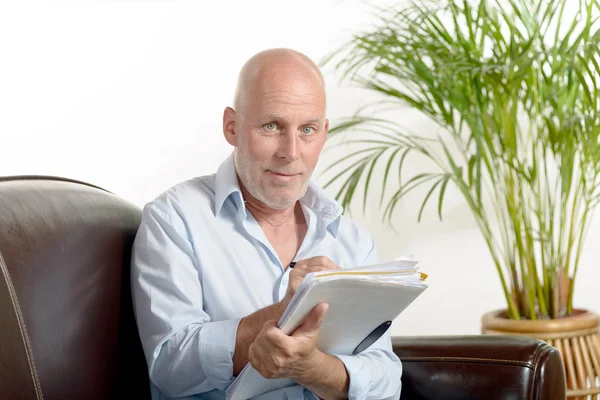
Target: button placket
{"type": "Point", "coordinates": [283, 284]}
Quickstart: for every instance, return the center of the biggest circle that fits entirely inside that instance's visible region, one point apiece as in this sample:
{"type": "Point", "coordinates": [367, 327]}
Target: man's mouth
{"type": "Point", "coordinates": [284, 175]}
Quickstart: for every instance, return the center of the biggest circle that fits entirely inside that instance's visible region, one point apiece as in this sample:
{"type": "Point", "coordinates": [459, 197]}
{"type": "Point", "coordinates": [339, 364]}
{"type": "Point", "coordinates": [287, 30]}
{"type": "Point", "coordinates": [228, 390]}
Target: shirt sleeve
{"type": "Point", "coordinates": [186, 352]}
{"type": "Point", "coordinates": [376, 372]}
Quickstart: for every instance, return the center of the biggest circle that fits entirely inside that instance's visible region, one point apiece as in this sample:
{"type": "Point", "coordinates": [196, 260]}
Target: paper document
{"type": "Point", "coordinates": [360, 299]}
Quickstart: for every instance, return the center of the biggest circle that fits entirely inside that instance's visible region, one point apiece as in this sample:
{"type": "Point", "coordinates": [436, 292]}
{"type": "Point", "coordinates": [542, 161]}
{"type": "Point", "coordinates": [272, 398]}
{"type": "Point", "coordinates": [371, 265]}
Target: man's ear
{"type": "Point", "coordinates": [323, 138]}
{"type": "Point", "coordinates": [229, 127]}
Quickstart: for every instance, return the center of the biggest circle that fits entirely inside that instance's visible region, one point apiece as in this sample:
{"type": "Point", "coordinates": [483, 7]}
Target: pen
{"type": "Point", "coordinates": [292, 264]}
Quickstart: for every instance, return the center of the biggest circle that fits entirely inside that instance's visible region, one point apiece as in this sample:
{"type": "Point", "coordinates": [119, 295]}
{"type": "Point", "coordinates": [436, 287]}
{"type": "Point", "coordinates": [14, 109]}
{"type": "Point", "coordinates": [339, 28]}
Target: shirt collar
{"type": "Point", "coordinates": [324, 206]}
{"type": "Point", "coordinates": [226, 185]}
{"type": "Point", "coordinates": [316, 199]}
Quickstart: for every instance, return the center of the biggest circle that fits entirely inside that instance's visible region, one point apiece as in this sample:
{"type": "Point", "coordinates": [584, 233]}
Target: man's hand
{"type": "Point", "coordinates": [301, 269]}
{"type": "Point", "coordinates": [277, 355]}
{"type": "Point", "coordinates": [251, 325]}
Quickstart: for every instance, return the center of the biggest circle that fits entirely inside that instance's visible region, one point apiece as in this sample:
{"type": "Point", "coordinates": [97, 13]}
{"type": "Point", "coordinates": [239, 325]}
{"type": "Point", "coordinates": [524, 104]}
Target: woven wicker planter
{"type": "Point", "coordinates": [577, 337]}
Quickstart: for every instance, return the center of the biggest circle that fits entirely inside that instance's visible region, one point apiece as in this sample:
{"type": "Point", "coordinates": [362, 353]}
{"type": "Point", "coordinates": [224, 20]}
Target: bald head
{"type": "Point", "coordinates": [274, 67]}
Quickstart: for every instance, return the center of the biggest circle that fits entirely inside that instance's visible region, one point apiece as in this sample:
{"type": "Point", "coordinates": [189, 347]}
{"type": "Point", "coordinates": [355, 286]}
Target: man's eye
{"type": "Point", "coordinates": [271, 126]}
{"type": "Point", "coordinates": [307, 130]}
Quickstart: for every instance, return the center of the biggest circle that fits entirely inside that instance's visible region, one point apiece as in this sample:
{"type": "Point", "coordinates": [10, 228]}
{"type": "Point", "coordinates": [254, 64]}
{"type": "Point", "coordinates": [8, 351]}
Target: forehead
{"type": "Point", "coordinates": [294, 92]}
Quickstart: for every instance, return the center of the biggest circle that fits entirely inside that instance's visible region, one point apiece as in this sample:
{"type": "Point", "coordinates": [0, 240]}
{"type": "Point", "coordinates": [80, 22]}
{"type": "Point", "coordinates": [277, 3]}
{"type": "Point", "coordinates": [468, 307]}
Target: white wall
{"type": "Point", "coordinates": [128, 95]}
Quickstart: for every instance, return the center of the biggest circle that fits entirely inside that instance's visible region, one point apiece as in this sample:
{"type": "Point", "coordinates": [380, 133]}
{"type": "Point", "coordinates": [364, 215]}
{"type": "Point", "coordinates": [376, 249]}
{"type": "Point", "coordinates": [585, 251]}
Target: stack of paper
{"type": "Point", "coordinates": [360, 299]}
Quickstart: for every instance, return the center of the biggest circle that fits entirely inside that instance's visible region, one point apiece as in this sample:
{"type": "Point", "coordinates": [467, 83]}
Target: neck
{"type": "Point", "coordinates": [263, 213]}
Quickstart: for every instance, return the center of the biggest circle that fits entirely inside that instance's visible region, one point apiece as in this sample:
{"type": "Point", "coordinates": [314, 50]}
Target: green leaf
{"type": "Point", "coordinates": [442, 192]}
{"type": "Point", "coordinates": [472, 162]}
{"type": "Point", "coordinates": [412, 183]}
{"type": "Point", "coordinates": [427, 198]}
{"type": "Point", "coordinates": [387, 171]}
{"type": "Point", "coordinates": [345, 171]}
{"type": "Point", "coordinates": [347, 124]}
{"type": "Point", "coordinates": [366, 191]}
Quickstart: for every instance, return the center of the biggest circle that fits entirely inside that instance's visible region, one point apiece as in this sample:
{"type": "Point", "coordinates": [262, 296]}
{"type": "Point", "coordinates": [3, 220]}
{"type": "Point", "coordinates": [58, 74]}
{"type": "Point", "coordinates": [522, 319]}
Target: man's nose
{"type": "Point", "coordinates": [288, 146]}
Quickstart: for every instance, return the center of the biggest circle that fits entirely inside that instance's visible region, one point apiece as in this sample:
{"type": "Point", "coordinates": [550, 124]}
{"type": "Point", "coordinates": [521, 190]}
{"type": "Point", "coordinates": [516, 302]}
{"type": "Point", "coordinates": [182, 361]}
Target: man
{"type": "Point", "coordinates": [211, 262]}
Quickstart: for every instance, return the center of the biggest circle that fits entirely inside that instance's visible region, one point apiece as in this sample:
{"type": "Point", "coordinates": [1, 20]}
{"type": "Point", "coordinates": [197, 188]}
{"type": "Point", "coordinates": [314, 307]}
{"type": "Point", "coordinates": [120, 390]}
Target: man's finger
{"type": "Point", "coordinates": [275, 338]}
{"type": "Point", "coordinates": [271, 323]}
{"type": "Point", "coordinates": [326, 263]}
{"type": "Point", "coordinates": [317, 268]}
{"type": "Point", "coordinates": [320, 260]}
{"type": "Point", "coordinates": [313, 322]}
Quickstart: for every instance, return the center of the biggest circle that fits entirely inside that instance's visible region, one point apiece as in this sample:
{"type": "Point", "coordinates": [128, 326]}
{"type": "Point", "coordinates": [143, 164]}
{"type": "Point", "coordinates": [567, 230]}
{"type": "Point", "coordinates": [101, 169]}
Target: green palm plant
{"type": "Point", "coordinates": [514, 87]}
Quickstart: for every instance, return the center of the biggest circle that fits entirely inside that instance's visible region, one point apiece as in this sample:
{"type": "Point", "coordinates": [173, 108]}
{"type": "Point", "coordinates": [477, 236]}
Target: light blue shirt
{"type": "Point", "coordinates": [201, 262]}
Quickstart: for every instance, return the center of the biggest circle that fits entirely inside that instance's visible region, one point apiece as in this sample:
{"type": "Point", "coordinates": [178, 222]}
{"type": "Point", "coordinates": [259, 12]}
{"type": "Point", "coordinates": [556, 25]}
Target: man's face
{"type": "Point", "coordinates": [280, 134]}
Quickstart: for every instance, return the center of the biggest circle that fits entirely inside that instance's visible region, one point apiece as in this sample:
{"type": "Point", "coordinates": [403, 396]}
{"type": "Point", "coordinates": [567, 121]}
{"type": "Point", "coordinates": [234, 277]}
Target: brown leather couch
{"type": "Point", "coordinates": [67, 329]}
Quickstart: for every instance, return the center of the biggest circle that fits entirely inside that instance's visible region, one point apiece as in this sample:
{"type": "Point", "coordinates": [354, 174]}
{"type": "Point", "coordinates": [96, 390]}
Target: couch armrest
{"type": "Point", "coordinates": [479, 367]}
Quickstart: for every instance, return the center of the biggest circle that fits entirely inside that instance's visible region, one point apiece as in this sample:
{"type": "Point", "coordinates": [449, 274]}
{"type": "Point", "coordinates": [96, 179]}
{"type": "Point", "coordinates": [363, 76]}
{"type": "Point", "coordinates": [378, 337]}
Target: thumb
{"type": "Point", "coordinates": [269, 324]}
{"type": "Point", "coordinates": [313, 322]}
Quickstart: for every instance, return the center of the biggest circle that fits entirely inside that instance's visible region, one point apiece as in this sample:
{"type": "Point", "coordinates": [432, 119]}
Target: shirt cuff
{"type": "Point", "coordinates": [216, 351]}
{"type": "Point", "coordinates": [360, 377]}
